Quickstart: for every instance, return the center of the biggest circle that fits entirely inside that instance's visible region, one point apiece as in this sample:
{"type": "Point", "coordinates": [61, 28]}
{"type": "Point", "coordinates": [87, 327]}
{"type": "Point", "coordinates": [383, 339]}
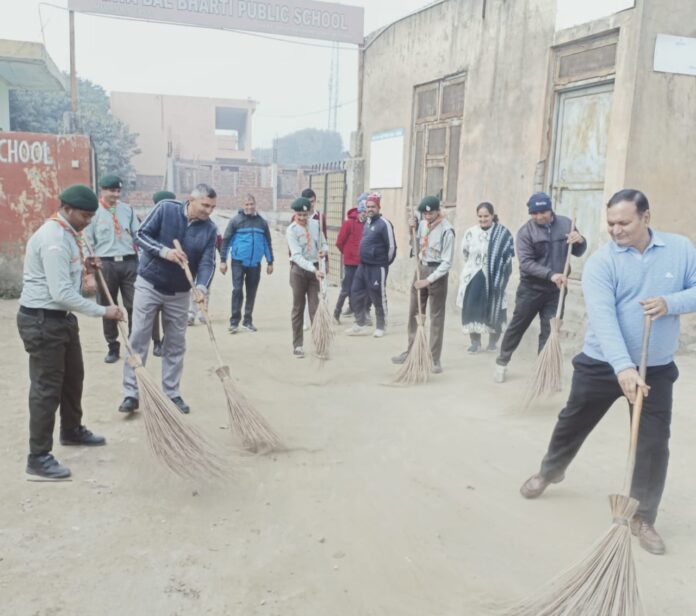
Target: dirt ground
{"type": "Point", "coordinates": [391, 501]}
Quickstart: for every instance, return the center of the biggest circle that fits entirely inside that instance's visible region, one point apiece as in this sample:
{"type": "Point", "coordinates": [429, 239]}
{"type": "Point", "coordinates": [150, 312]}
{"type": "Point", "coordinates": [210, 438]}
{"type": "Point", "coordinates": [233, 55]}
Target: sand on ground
{"type": "Point", "coordinates": [389, 501]}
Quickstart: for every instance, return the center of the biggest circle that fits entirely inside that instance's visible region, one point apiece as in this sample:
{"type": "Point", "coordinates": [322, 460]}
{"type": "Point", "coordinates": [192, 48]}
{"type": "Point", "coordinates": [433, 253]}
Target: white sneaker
{"type": "Point", "coordinates": [500, 374]}
{"type": "Point", "coordinates": [379, 333]}
{"type": "Point", "coordinates": [298, 352]}
{"type": "Point", "coordinates": [357, 330]}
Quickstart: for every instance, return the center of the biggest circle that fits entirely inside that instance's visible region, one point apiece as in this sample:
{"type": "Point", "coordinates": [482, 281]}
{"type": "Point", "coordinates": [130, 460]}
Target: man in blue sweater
{"type": "Point", "coordinates": [640, 272]}
{"type": "Point", "coordinates": [246, 241]}
{"type": "Point", "coordinates": [162, 284]}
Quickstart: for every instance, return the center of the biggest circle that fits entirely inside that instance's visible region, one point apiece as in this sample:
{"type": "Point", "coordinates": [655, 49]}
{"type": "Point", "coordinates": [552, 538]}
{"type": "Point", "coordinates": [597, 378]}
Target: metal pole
{"type": "Point", "coordinates": [73, 74]}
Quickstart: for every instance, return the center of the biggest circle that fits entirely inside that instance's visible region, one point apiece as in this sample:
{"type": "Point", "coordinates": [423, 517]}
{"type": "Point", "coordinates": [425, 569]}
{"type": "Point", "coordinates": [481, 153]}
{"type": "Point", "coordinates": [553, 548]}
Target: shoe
{"type": "Point", "coordinates": [379, 333]}
{"type": "Point", "coordinates": [249, 327]}
{"type": "Point", "coordinates": [191, 321]}
{"type": "Point", "coordinates": [500, 372]}
{"type": "Point", "coordinates": [298, 352]}
{"type": "Point", "coordinates": [129, 405]}
{"type": "Point", "coordinates": [233, 329]}
{"type": "Point", "coordinates": [201, 319]}
{"type": "Point", "coordinates": [157, 349]}
{"type": "Point", "coordinates": [348, 312]}
{"type": "Point", "coordinates": [492, 347]}
{"type": "Point", "coordinates": [81, 436]}
{"type": "Point", "coordinates": [46, 466]}
{"type": "Point", "coordinates": [337, 317]}
{"type": "Point", "coordinates": [358, 330]}
{"type": "Point", "coordinates": [474, 348]}
{"type": "Point", "coordinates": [437, 367]}
{"type": "Point", "coordinates": [649, 538]}
{"type": "Point", "coordinates": [536, 484]}
{"type": "Point", "coordinates": [181, 405]}
{"type": "Point", "coordinates": [400, 359]}
{"type": "Point", "coordinates": [112, 357]}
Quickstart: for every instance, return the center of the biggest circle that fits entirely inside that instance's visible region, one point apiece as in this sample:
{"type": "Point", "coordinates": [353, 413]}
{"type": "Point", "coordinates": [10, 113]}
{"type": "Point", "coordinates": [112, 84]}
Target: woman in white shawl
{"type": "Point", "coordinates": [488, 249]}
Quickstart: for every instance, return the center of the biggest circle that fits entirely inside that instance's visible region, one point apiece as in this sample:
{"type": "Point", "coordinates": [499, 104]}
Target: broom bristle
{"type": "Point", "coordinates": [602, 583]}
{"type": "Point", "coordinates": [179, 446]}
{"type": "Point", "coordinates": [419, 361]}
{"type": "Point", "coordinates": [254, 431]}
{"type": "Point", "coordinates": [322, 331]}
{"type": "Point", "coordinates": [548, 374]}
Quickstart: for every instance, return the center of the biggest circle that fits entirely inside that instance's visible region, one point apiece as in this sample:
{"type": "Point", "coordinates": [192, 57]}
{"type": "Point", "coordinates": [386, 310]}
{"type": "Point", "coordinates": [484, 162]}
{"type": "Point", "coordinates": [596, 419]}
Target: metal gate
{"type": "Point", "coordinates": [329, 184]}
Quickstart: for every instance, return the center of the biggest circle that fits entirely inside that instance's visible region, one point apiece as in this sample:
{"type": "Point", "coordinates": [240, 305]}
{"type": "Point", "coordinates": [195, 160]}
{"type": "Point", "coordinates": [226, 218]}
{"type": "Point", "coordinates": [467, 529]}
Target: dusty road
{"type": "Point", "coordinates": [392, 501]}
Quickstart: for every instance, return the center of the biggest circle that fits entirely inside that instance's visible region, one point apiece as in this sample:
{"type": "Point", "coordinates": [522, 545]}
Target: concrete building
{"type": "Point", "coordinates": [491, 100]}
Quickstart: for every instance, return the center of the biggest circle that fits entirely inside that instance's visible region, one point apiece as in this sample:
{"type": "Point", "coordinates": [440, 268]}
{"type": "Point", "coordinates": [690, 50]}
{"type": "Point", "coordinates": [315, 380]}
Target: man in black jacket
{"type": "Point", "coordinates": [542, 247]}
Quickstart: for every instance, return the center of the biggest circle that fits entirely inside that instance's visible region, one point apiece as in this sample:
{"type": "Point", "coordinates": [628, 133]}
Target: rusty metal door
{"type": "Point", "coordinates": [580, 149]}
{"type": "Point", "coordinates": [330, 188]}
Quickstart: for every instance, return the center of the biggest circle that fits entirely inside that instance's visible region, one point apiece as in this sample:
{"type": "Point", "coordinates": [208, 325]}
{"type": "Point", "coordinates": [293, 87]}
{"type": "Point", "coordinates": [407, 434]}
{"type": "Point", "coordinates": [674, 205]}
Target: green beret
{"type": "Point", "coordinates": [111, 181]}
{"type": "Point", "coordinates": [301, 205]}
{"type": "Point", "coordinates": [161, 195]}
{"type": "Point", "coordinates": [80, 197]}
{"type": "Point", "coordinates": [429, 204]}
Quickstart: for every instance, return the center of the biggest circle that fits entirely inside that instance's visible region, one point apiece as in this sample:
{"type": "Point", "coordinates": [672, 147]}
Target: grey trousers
{"type": "Point", "coordinates": [174, 309]}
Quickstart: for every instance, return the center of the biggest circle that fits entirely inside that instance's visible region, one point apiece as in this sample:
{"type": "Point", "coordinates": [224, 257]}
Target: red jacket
{"type": "Point", "coordinates": [348, 240]}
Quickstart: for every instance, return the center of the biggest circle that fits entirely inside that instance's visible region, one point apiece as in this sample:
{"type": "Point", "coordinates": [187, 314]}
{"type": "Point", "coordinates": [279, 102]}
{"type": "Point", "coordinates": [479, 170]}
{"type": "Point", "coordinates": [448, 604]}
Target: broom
{"type": "Point", "coordinates": [548, 374]}
{"type": "Point", "coordinates": [179, 446]}
{"type": "Point", "coordinates": [604, 582]}
{"type": "Point", "coordinates": [322, 332]}
{"type": "Point", "coordinates": [255, 433]}
{"type": "Point", "coordinates": [416, 369]}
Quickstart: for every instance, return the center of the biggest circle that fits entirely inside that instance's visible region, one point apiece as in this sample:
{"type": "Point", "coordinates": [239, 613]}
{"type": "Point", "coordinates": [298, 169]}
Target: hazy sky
{"type": "Point", "coordinates": [289, 80]}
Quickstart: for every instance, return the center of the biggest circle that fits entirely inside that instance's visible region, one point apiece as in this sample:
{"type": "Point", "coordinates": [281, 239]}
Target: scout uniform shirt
{"type": "Point", "coordinates": [52, 276]}
{"type": "Point", "coordinates": [436, 247]}
{"type": "Point", "coordinates": [303, 242]}
{"type": "Point", "coordinates": [112, 230]}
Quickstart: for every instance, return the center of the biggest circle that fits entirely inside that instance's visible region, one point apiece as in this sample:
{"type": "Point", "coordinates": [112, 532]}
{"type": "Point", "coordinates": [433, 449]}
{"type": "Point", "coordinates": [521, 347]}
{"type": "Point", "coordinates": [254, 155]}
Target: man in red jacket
{"type": "Point", "coordinates": [348, 242]}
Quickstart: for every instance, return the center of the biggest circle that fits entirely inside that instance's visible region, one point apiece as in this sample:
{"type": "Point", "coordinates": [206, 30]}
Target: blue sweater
{"type": "Point", "coordinates": [166, 222]}
{"type": "Point", "coordinates": [616, 278]}
{"type": "Point", "coordinates": [247, 239]}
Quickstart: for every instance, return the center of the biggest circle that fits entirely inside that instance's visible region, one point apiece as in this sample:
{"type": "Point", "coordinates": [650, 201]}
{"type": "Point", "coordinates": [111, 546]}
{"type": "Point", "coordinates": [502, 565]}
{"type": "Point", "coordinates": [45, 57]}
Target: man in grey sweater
{"type": "Point", "coordinates": [542, 247]}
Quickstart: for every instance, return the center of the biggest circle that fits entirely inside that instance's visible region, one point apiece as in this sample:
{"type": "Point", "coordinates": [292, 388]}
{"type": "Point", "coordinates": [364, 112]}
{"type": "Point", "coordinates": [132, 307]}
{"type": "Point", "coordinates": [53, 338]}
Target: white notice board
{"type": "Point", "coordinates": [571, 13]}
{"type": "Point", "coordinates": [387, 159]}
{"type": "Point", "coordinates": [675, 54]}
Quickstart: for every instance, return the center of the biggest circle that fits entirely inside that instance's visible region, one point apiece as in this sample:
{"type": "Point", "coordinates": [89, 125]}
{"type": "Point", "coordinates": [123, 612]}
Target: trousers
{"type": "Point", "coordinates": [305, 289]}
{"type": "Point", "coordinates": [370, 283]}
{"type": "Point", "coordinates": [436, 295]}
{"type": "Point", "coordinates": [119, 276]}
{"type": "Point", "coordinates": [243, 278]}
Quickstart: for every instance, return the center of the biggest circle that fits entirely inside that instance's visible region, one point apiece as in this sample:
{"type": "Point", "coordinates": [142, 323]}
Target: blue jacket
{"type": "Point", "coordinates": [377, 246]}
{"type": "Point", "coordinates": [247, 239]}
{"type": "Point", "coordinates": [166, 222]}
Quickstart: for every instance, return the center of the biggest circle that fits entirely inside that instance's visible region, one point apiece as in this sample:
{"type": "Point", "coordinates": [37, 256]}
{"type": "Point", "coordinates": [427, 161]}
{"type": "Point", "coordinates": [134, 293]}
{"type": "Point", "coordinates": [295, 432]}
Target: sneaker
{"type": "Point", "coordinates": [474, 348]}
{"type": "Point", "coordinates": [500, 372]}
{"type": "Point", "coordinates": [181, 405]}
{"type": "Point", "coordinates": [157, 349]}
{"type": "Point", "coordinates": [536, 484]}
{"type": "Point", "coordinates": [81, 436]}
{"type": "Point", "coordinates": [492, 347]}
{"type": "Point", "coordinates": [649, 538]}
{"type": "Point", "coordinates": [400, 359]}
{"type": "Point", "coordinates": [233, 329]}
{"type": "Point", "coordinates": [129, 405]}
{"type": "Point", "coordinates": [191, 321]}
{"type": "Point", "coordinates": [379, 333]}
{"type": "Point", "coordinates": [298, 352]}
{"type": "Point", "coordinates": [437, 367]}
{"type": "Point", "coordinates": [111, 357]}
{"type": "Point", "coordinates": [46, 466]}
{"type": "Point", "coordinates": [201, 318]}
{"type": "Point", "coordinates": [337, 317]}
{"type": "Point", "coordinates": [249, 327]}
{"type": "Point", "coordinates": [358, 330]}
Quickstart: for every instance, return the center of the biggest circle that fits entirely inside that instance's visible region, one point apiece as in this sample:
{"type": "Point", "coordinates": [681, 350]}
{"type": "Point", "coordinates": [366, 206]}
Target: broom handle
{"type": "Point", "coordinates": [204, 310]}
{"type": "Point", "coordinates": [322, 282]}
{"type": "Point", "coordinates": [566, 270]}
{"type": "Point", "coordinates": [418, 291]}
{"type": "Point", "coordinates": [638, 406]}
{"type": "Point", "coordinates": [100, 277]}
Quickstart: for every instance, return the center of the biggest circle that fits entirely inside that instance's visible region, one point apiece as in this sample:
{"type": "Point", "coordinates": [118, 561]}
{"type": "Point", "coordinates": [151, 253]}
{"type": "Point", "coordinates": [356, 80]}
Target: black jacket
{"type": "Point", "coordinates": [377, 245]}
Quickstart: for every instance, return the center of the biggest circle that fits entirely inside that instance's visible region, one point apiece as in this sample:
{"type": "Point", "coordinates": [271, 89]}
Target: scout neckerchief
{"type": "Point", "coordinates": [112, 211]}
{"type": "Point", "coordinates": [76, 236]}
{"type": "Point", "coordinates": [308, 237]}
{"type": "Point", "coordinates": [428, 228]}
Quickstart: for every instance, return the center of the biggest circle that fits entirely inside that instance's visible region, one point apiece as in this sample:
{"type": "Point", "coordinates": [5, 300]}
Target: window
{"type": "Point", "coordinates": [231, 122]}
{"type": "Point", "coordinates": [437, 130]}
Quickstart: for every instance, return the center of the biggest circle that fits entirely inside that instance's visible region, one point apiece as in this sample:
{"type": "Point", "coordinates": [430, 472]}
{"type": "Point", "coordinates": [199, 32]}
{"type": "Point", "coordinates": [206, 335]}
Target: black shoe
{"type": "Point", "coordinates": [400, 359]}
{"type": "Point", "coordinates": [180, 404]}
{"type": "Point", "coordinates": [81, 436]}
{"type": "Point", "coordinates": [337, 317]}
{"type": "Point", "coordinates": [157, 349]}
{"type": "Point", "coordinates": [128, 405]}
{"type": "Point", "coordinates": [474, 348]}
{"type": "Point", "coordinates": [46, 466]}
{"type": "Point", "coordinates": [112, 356]}
{"type": "Point", "coordinates": [249, 326]}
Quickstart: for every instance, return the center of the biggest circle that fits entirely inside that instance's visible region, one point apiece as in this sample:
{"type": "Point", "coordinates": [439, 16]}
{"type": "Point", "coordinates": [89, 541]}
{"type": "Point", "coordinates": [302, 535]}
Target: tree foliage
{"type": "Point", "coordinates": [304, 147]}
{"type": "Point", "coordinates": [43, 112]}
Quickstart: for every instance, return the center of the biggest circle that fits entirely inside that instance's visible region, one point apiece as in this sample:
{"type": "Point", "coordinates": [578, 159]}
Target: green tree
{"type": "Point", "coordinates": [43, 112]}
{"type": "Point", "coordinates": [308, 146]}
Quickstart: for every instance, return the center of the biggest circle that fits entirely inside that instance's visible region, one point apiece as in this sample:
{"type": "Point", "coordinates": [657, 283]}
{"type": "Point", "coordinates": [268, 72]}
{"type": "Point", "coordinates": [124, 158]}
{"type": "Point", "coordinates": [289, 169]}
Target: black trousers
{"type": "Point", "coordinates": [119, 276]}
{"type": "Point", "coordinates": [595, 388]}
{"type": "Point", "coordinates": [56, 373]}
{"type": "Point", "coordinates": [370, 286]}
{"type": "Point", "coordinates": [529, 303]}
{"type": "Point", "coordinates": [243, 278]}
{"type": "Point", "coordinates": [346, 284]}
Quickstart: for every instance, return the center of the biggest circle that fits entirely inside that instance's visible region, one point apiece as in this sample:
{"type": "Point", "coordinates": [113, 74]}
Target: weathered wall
{"type": "Point", "coordinates": [34, 168]}
{"type": "Point", "coordinates": [4, 106]}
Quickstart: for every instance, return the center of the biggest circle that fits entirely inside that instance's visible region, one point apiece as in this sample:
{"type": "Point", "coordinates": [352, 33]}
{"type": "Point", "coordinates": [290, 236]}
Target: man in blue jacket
{"type": "Point", "coordinates": [162, 284]}
{"type": "Point", "coordinates": [377, 253]}
{"type": "Point", "coordinates": [246, 241]}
